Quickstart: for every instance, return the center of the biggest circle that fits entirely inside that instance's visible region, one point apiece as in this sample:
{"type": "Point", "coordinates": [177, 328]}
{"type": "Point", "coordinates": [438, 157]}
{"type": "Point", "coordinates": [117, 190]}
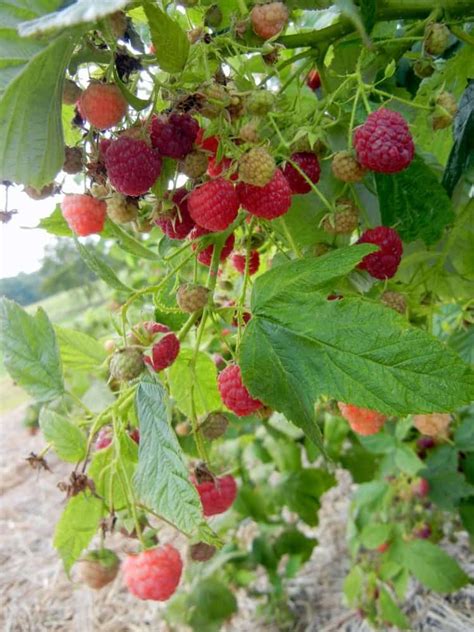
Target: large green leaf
{"type": "Point", "coordinates": [31, 353]}
{"type": "Point", "coordinates": [31, 82]}
{"type": "Point", "coordinates": [210, 604]}
{"type": "Point", "coordinates": [434, 568]}
{"type": "Point", "coordinates": [102, 269]}
{"type": "Point", "coordinates": [299, 346]}
{"type": "Point", "coordinates": [162, 478]}
{"type": "Point", "coordinates": [405, 203]}
{"type": "Point", "coordinates": [78, 350]}
{"type": "Point", "coordinates": [170, 41]}
{"type": "Point", "coordinates": [129, 243]}
{"type": "Point", "coordinates": [68, 441]}
{"type": "Point", "coordinates": [55, 224]}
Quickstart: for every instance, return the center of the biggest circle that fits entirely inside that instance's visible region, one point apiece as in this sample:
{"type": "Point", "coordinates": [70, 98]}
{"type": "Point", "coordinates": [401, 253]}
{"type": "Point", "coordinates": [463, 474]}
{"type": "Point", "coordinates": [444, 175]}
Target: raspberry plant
{"type": "Point", "coordinates": [197, 131]}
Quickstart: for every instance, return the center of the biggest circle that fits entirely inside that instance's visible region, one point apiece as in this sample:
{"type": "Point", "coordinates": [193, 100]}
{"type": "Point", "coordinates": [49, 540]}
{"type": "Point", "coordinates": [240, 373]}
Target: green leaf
{"type": "Point", "coordinates": [434, 568]}
{"type": "Point", "coordinates": [466, 513]}
{"type": "Point", "coordinates": [302, 491]}
{"type": "Point", "coordinates": [464, 435]}
{"type": "Point", "coordinates": [447, 488]}
{"type": "Point", "coordinates": [30, 351]}
{"type": "Point", "coordinates": [170, 41]}
{"type": "Point", "coordinates": [293, 542]}
{"type": "Point", "coordinates": [353, 584]}
{"type": "Point", "coordinates": [76, 527]}
{"type": "Point", "coordinates": [210, 604]}
{"type": "Point", "coordinates": [55, 224]}
{"type": "Point", "coordinates": [68, 441]}
{"type": "Point", "coordinates": [463, 149]}
{"type": "Point", "coordinates": [136, 103]}
{"type": "Point", "coordinates": [368, 9]}
{"type": "Point", "coordinates": [200, 384]}
{"type": "Point", "coordinates": [373, 535]}
{"type": "Point", "coordinates": [78, 350]}
{"type": "Point", "coordinates": [301, 224]}
{"type": "Point", "coordinates": [129, 243]}
{"type": "Point", "coordinates": [389, 611]}
{"type": "Point", "coordinates": [162, 477]}
{"type": "Point", "coordinates": [407, 460]}
{"type": "Point", "coordinates": [405, 204]}
{"type": "Point", "coordinates": [102, 269]}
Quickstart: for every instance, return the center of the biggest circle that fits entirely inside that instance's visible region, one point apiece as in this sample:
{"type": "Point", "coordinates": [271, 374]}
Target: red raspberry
{"type": "Point", "coordinates": [422, 488]}
{"type": "Point", "coordinates": [177, 223]}
{"type": "Point", "coordinates": [423, 532]}
{"type": "Point", "coordinates": [153, 328]}
{"type": "Point", "coordinates": [216, 169]}
{"type": "Point", "coordinates": [205, 256]}
{"type": "Point", "coordinates": [362, 420]}
{"type": "Point", "coordinates": [103, 105]}
{"type": "Point", "coordinates": [135, 435]}
{"type": "Point", "coordinates": [238, 261]}
{"type": "Point", "coordinates": [384, 142]}
{"type": "Point", "coordinates": [269, 19]}
{"type": "Point", "coordinates": [234, 394]}
{"type": "Point", "coordinates": [382, 264]}
{"type": "Point", "coordinates": [104, 438]}
{"type": "Point", "coordinates": [153, 574]}
{"type": "Point", "coordinates": [209, 143]}
{"type": "Point", "coordinates": [313, 80]}
{"type": "Point", "coordinates": [218, 495]}
{"type": "Point", "coordinates": [214, 205]}
{"type": "Point", "coordinates": [132, 166]}
{"type": "Point", "coordinates": [174, 136]}
{"type": "Point", "coordinates": [309, 164]}
{"type": "Point", "coordinates": [164, 353]}
{"type": "Point", "coordinates": [84, 214]}
{"type": "Point", "coordinates": [270, 201]}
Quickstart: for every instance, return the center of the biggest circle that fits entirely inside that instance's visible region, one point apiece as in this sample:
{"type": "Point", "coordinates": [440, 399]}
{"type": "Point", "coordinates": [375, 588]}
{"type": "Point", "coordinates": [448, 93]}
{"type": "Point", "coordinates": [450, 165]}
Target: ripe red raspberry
{"type": "Point", "coordinates": [205, 256]}
{"type": "Point", "coordinates": [309, 164]}
{"type": "Point", "coordinates": [217, 495]}
{"type": "Point", "coordinates": [103, 105]}
{"type": "Point", "coordinates": [176, 223]}
{"type": "Point", "coordinates": [153, 574]}
{"type": "Point", "coordinates": [224, 166]}
{"type": "Point", "coordinates": [84, 214]}
{"type": "Point", "coordinates": [270, 201]}
{"type": "Point", "coordinates": [384, 142]}
{"type": "Point", "coordinates": [164, 352]}
{"type": "Point", "coordinates": [384, 263]}
{"type": "Point", "coordinates": [234, 394]}
{"type": "Point", "coordinates": [269, 19]}
{"type": "Point", "coordinates": [98, 568]}
{"type": "Point", "coordinates": [174, 135]}
{"type": "Point", "coordinates": [214, 205]}
{"type": "Point", "coordinates": [132, 166]}
{"type": "Point", "coordinates": [104, 438]}
{"type": "Point", "coordinates": [238, 261]}
{"type": "Point", "coordinates": [207, 143]}
{"type": "Point", "coordinates": [313, 80]}
{"type": "Point", "coordinates": [421, 488]}
{"type": "Point", "coordinates": [362, 420]}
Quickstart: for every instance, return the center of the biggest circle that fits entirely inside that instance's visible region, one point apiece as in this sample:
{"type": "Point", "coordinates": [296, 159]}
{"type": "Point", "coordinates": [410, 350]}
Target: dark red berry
{"type": "Point", "coordinates": [384, 263]}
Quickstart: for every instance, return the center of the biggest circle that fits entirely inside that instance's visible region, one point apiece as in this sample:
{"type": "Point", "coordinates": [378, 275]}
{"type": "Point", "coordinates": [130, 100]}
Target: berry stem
{"type": "Point", "coordinates": [409, 103]}
{"type": "Point", "coordinates": [289, 237]}
{"type": "Point", "coordinates": [353, 114]}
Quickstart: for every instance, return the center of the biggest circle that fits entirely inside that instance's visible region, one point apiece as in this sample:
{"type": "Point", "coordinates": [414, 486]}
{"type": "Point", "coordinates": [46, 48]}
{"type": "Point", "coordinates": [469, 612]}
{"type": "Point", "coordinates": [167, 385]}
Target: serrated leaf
{"type": "Point", "coordinates": [390, 612]}
{"type": "Point", "coordinates": [405, 204]}
{"type": "Point", "coordinates": [302, 491]}
{"type": "Point", "coordinates": [68, 441]}
{"type": "Point", "coordinates": [162, 477]}
{"type": "Point", "coordinates": [210, 604]}
{"type": "Point", "coordinates": [463, 149]}
{"type": "Point", "coordinates": [368, 10]}
{"type": "Point", "coordinates": [30, 351]}
{"type": "Point", "coordinates": [374, 534]}
{"type": "Point", "coordinates": [434, 568]}
{"type": "Point", "coordinates": [407, 460]}
{"type": "Point", "coordinates": [55, 224]}
{"type": "Point", "coordinates": [78, 350]}
{"type": "Point", "coordinates": [102, 269]}
{"type": "Point", "coordinates": [76, 527]}
{"type": "Point", "coordinates": [170, 41]}
{"type": "Point", "coordinates": [199, 384]}
{"type": "Point", "coordinates": [353, 584]}
{"type": "Point", "coordinates": [136, 103]}
{"type": "Point", "coordinates": [129, 243]}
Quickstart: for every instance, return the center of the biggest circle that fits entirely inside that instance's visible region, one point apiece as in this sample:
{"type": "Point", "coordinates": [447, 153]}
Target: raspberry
{"type": "Point", "coordinates": [395, 301]}
{"type": "Point", "coordinates": [346, 168]}
{"type": "Point", "coordinates": [257, 167]}
{"type": "Point", "coordinates": [423, 532]}
{"type": "Point", "coordinates": [104, 438]}
{"type": "Point", "coordinates": [382, 264]}
{"type": "Point", "coordinates": [84, 214]}
{"type": "Point", "coordinates": [135, 435]}
{"type": "Point", "coordinates": [260, 102]}
{"type": "Point", "coordinates": [73, 160]}
{"type": "Point", "coordinates": [217, 495]}
{"type": "Point", "coordinates": [164, 353]}
{"type": "Point", "coordinates": [209, 143]}
{"type": "Point", "coordinates": [217, 168]}
{"type": "Point", "coordinates": [269, 19]}
{"type": "Point", "coordinates": [344, 221]}
{"type": "Point", "coordinates": [249, 133]}
{"type": "Point", "coordinates": [436, 38]}
{"type": "Point", "coordinates": [153, 574]}
{"type": "Point", "coordinates": [191, 297]}
{"type": "Point", "coordinates": [194, 165]}
{"type": "Point", "coordinates": [102, 105]}
{"type": "Point", "coordinates": [421, 488]}
{"type": "Point", "coordinates": [202, 552]}
{"type": "Point", "coordinates": [132, 166]}
{"type": "Point", "coordinates": [205, 256]}
{"type": "Point", "coordinates": [120, 209]}
{"type": "Point", "coordinates": [176, 223]}
{"type": "Point", "coordinates": [126, 364]}
{"type": "Point", "coordinates": [214, 205]}
{"type": "Point", "coordinates": [446, 108]}
{"type": "Point", "coordinates": [99, 568]}
{"type": "Point", "coordinates": [214, 426]}
{"type": "Point", "coordinates": [217, 98]}
{"type": "Point", "coordinates": [423, 68]}
{"type": "Point", "coordinates": [40, 194]}
{"type": "Point", "coordinates": [270, 201]}
{"type": "Point", "coordinates": [174, 136]}
{"type": "Point", "coordinates": [309, 165]}
{"type": "Point", "coordinates": [238, 261]}
{"type": "Point", "coordinates": [362, 420]}
{"type": "Point", "coordinates": [384, 143]}
{"type": "Point", "coordinates": [313, 80]}
{"type": "Point", "coordinates": [434, 425]}
{"type": "Point", "coordinates": [71, 92]}
{"type": "Point", "coordinates": [234, 394]}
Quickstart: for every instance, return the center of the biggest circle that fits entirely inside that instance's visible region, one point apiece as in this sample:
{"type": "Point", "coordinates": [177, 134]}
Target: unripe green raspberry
{"type": "Point", "coordinates": [120, 209]}
{"type": "Point", "coordinates": [446, 108]}
{"type": "Point", "coordinates": [260, 102]}
{"type": "Point", "coordinates": [126, 364]}
{"type": "Point", "coordinates": [344, 221]}
{"type": "Point", "coordinates": [214, 426]}
{"type": "Point", "coordinates": [395, 301]}
{"type": "Point", "coordinates": [321, 249]}
{"type": "Point", "coordinates": [191, 297]}
{"type": "Point", "coordinates": [257, 167]}
{"type": "Point", "coordinates": [346, 168]}
{"type": "Point", "coordinates": [73, 160]}
{"type": "Point", "coordinates": [213, 16]}
{"type": "Point", "coordinates": [423, 68]}
{"type": "Point", "coordinates": [194, 165]}
{"type": "Point", "coordinates": [217, 98]}
{"type": "Point", "coordinates": [71, 92]}
{"type": "Point", "coordinates": [436, 38]}
{"type": "Point", "coordinates": [249, 133]}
